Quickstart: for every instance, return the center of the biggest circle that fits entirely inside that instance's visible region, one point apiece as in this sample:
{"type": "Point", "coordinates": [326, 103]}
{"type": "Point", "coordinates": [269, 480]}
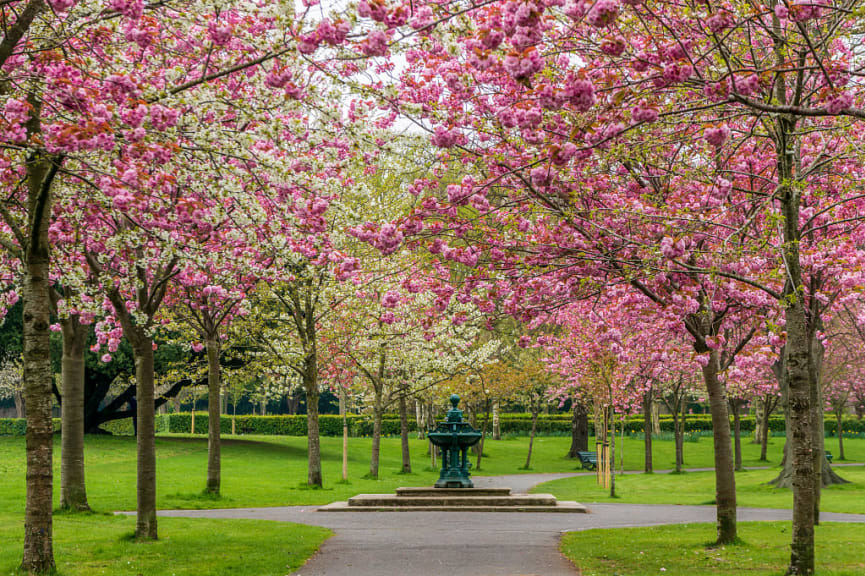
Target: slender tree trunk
{"type": "Point", "coordinates": [818, 433]}
{"type": "Point", "coordinates": [18, 398]}
{"type": "Point", "coordinates": [483, 435]}
{"type": "Point", "coordinates": [535, 410]}
{"type": "Point", "coordinates": [376, 432]}
{"type": "Point", "coordinates": [38, 525]}
{"type": "Point", "coordinates": [343, 411]}
{"type": "Point", "coordinates": [737, 435]}
{"type": "Point", "coordinates": [648, 405]}
{"type": "Point", "coordinates": [612, 463]}
{"type": "Point", "coordinates": [420, 417]}
{"type": "Point", "coordinates": [764, 438]}
{"type": "Point", "coordinates": [678, 433]}
{"type": "Point", "coordinates": [497, 429]}
{"type": "Point", "coordinates": [579, 430]}
{"type": "Point", "coordinates": [725, 479]}
{"type": "Point", "coordinates": [73, 491]}
{"type": "Point", "coordinates": [656, 418]}
{"type": "Point", "coordinates": [799, 384]}
{"type": "Point", "coordinates": [214, 440]}
{"type": "Point", "coordinates": [838, 417]}
{"type": "Point", "coordinates": [403, 433]}
{"type": "Point", "coordinates": [313, 441]}
{"type": "Point", "coordinates": [145, 528]}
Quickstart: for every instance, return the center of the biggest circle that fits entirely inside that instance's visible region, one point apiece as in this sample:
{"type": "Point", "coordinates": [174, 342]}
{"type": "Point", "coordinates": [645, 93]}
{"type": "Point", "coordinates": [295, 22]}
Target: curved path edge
{"type": "Point", "coordinates": [473, 543]}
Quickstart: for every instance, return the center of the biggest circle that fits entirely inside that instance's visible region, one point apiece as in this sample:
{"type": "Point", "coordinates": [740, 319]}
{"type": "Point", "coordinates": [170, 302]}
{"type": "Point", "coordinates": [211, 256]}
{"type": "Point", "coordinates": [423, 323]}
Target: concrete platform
{"type": "Point", "coordinates": [453, 500]}
{"type": "Point", "coordinates": [567, 506]}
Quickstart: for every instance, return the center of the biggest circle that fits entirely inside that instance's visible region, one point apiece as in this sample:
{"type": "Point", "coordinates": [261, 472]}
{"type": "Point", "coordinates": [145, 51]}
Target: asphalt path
{"type": "Point", "coordinates": [474, 543]}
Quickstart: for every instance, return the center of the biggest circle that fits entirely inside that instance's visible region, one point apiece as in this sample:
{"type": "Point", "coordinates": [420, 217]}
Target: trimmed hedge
{"type": "Point", "coordinates": [361, 425]}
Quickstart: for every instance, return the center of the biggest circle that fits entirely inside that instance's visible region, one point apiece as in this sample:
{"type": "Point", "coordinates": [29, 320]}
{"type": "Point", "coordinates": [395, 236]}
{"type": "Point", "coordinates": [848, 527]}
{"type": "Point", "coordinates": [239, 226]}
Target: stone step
{"type": "Point", "coordinates": [425, 491]}
{"type": "Point", "coordinates": [392, 500]}
{"type": "Point", "coordinates": [565, 506]}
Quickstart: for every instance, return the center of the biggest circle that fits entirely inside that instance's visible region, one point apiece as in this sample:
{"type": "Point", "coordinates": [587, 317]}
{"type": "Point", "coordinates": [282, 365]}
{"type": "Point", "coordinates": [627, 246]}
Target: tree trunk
{"type": "Point", "coordinates": [403, 433]}
{"type": "Point", "coordinates": [497, 429]}
{"type": "Point", "coordinates": [818, 433]}
{"type": "Point", "coordinates": [612, 463]}
{"type": "Point", "coordinates": [145, 527]}
{"type": "Point", "coordinates": [376, 433]}
{"type": "Point", "coordinates": [737, 436]}
{"type": "Point", "coordinates": [535, 410]}
{"type": "Point", "coordinates": [764, 438]}
{"type": "Point", "coordinates": [725, 479]}
{"type": "Point", "coordinates": [214, 441]}
{"type": "Point", "coordinates": [73, 492]}
{"type": "Point", "coordinates": [313, 442]}
{"type": "Point", "coordinates": [38, 525]}
{"type": "Point", "coordinates": [799, 398]}
{"type": "Point", "coordinates": [759, 410]}
{"type": "Point", "coordinates": [420, 417]}
{"type": "Point", "coordinates": [838, 416]}
{"type": "Point", "coordinates": [343, 411]}
{"type": "Point", "coordinates": [648, 405]}
{"type": "Point", "coordinates": [678, 436]}
{"type": "Point", "coordinates": [18, 398]}
{"type": "Point", "coordinates": [579, 430]}
{"type": "Point", "coordinates": [483, 434]}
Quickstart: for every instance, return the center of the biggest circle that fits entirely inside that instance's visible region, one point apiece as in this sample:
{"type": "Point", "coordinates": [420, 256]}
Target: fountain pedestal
{"type": "Point", "coordinates": [454, 436]}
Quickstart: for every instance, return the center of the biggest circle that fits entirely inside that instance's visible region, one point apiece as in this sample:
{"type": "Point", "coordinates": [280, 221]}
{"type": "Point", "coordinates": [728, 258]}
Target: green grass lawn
{"type": "Point", "coordinates": [682, 550]}
{"type": "Point", "coordinates": [271, 471]}
{"type": "Point", "coordinates": [699, 488]}
{"type": "Point", "coordinates": [92, 544]}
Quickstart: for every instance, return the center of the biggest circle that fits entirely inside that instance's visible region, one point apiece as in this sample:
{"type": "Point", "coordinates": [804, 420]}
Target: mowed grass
{"type": "Point", "coordinates": [92, 544]}
{"type": "Point", "coordinates": [272, 471]}
{"type": "Point", "coordinates": [696, 488]}
{"type": "Point", "coordinates": [683, 551]}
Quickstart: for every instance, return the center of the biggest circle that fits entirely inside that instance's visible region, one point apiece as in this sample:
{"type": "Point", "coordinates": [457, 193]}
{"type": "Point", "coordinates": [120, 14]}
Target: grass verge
{"type": "Point", "coordinates": [94, 544]}
{"type": "Point", "coordinates": [698, 488]}
{"type": "Point", "coordinates": [682, 550]}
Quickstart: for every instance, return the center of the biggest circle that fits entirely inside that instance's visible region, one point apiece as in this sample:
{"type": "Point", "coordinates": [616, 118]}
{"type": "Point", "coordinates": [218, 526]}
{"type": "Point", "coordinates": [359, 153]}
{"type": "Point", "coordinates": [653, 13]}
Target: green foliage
{"type": "Point", "coordinates": [682, 550]}
{"type": "Point", "coordinates": [280, 425]}
{"type": "Point", "coordinates": [361, 425]}
{"type": "Point", "coordinates": [11, 329]}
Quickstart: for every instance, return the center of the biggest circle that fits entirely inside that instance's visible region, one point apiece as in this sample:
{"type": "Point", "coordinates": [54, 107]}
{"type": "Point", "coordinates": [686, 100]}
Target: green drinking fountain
{"type": "Point", "coordinates": [454, 437]}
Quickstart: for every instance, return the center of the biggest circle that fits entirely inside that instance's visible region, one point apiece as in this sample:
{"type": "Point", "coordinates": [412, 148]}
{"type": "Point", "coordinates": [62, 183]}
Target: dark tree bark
{"type": "Point", "coordinates": [145, 527]}
{"type": "Point", "coordinates": [38, 556]}
{"type": "Point", "coordinates": [735, 406]}
{"type": "Point", "coordinates": [725, 479]}
{"type": "Point", "coordinates": [214, 437]}
{"type": "Point", "coordinates": [839, 414]}
{"type": "Point", "coordinates": [377, 411]}
{"type": "Point", "coordinates": [648, 403]}
{"type": "Point", "coordinates": [313, 437]}
{"type": "Point", "coordinates": [483, 434]}
{"type": "Point", "coordinates": [535, 408]}
{"type": "Point", "coordinates": [579, 429]}
{"type": "Point", "coordinates": [149, 294]}
{"type": "Point", "coordinates": [38, 525]}
{"type": "Point", "coordinates": [73, 491]}
{"type": "Point", "coordinates": [403, 433]}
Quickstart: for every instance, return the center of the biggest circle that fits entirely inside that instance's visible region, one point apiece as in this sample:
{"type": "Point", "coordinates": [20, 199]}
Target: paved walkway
{"type": "Point", "coordinates": [471, 544]}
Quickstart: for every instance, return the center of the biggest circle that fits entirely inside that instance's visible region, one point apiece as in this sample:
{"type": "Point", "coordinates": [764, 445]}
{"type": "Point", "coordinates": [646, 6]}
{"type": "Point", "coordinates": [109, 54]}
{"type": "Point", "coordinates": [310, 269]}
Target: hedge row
{"type": "Point", "coordinates": [361, 425]}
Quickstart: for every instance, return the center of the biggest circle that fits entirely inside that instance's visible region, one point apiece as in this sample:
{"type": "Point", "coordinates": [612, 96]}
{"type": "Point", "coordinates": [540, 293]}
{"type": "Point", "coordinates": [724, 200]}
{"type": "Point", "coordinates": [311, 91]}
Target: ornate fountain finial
{"type": "Point", "coordinates": [455, 400]}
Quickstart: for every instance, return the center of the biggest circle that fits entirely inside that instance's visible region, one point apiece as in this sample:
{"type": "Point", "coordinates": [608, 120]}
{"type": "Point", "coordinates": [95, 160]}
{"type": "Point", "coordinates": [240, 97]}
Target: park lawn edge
{"type": "Point", "coordinates": [688, 549]}
{"type": "Point", "coordinates": [95, 544]}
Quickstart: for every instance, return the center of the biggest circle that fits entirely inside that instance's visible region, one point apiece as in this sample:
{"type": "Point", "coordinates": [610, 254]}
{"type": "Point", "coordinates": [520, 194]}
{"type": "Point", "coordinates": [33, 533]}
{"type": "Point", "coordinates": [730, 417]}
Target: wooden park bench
{"type": "Point", "coordinates": [589, 460]}
{"type": "Point", "coordinates": [828, 456]}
